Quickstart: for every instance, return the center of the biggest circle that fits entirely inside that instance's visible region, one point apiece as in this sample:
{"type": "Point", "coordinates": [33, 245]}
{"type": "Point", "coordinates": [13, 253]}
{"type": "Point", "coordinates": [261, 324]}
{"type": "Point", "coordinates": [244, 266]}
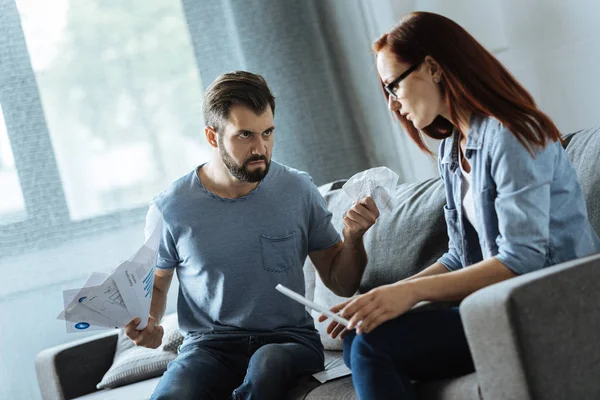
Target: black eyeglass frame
{"type": "Point", "coordinates": [389, 88]}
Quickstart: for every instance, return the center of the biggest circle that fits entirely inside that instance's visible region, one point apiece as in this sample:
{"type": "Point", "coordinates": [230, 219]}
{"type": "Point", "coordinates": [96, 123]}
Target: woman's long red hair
{"type": "Point", "coordinates": [472, 80]}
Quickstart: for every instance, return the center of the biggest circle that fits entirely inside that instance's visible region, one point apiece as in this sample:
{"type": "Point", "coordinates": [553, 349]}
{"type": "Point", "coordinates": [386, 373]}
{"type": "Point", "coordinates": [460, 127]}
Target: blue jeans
{"type": "Point", "coordinates": [261, 366]}
{"type": "Point", "coordinates": [416, 346]}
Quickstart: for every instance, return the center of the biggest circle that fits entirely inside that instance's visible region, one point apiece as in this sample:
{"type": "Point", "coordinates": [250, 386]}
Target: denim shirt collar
{"type": "Point", "coordinates": [474, 141]}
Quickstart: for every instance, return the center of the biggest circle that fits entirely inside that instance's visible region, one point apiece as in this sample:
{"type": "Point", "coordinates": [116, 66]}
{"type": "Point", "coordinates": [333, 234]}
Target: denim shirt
{"type": "Point", "coordinates": [530, 210]}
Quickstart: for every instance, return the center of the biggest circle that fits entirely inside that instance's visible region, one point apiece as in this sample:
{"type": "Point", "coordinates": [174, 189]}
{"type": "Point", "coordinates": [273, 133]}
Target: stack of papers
{"type": "Point", "coordinates": [112, 300]}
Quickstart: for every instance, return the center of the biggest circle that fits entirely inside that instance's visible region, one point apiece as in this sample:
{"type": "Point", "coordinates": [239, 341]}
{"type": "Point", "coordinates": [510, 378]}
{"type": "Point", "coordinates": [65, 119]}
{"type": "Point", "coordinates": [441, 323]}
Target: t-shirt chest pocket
{"type": "Point", "coordinates": [279, 252]}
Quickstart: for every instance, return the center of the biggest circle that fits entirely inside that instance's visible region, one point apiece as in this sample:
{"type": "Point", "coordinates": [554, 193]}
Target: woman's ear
{"type": "Point", "coordinates": [434, 68]}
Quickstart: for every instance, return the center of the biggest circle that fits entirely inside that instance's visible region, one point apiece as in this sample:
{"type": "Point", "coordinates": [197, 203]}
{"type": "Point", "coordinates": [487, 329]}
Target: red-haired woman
{"type": "Point", "coordinates": [514, 204]}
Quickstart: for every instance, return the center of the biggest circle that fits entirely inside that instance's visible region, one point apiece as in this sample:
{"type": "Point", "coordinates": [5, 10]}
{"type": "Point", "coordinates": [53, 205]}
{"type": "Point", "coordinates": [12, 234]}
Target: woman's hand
{"type": "Point", "coordinates": [366, 312]}
{"type": "Point", "coordinates": [335, 329]}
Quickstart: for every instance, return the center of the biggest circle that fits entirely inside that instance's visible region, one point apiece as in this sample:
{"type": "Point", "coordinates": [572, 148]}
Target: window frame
{"type": "Point", "coordinates": [46, 223]}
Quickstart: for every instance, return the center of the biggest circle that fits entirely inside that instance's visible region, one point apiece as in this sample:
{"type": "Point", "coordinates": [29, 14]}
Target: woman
{"type": "Point", "coordinates": [514, 204]}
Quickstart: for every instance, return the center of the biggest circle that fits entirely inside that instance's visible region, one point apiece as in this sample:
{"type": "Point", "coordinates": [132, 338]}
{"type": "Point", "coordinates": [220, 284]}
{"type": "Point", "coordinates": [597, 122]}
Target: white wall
{"type": "Point", "coordinates": [551, 46]}
{"type": "Point", "coordinates": [554, 51]}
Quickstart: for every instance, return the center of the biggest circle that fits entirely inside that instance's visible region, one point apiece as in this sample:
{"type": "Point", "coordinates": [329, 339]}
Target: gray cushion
{"type": "Point", "coordinates": [172, 338]}
{"type": "Point", "coordinates": [132, 364]}
{"type": "Point", "coordinates": [334, 390]}
{"type": "Point", "coordinates": [399, 245]}
{"type": "Point", "coordinates": [462, 388]}
{"type": "Point", "coordinates": [406, 241]}
{"type": "Point", "coordinates": [584, 152]}
{"type": "Point", "coordinates": [135, 391]}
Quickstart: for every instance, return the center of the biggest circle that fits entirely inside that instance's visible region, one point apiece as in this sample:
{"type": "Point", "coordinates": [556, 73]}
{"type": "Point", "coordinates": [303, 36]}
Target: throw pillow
{"type": "Point", "coordinates": [133, 364]}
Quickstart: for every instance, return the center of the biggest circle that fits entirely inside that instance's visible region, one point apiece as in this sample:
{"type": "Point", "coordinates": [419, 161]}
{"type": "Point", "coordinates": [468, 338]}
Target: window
{"type": "Point", "coordinates": [103, 108]}
{"type": "Point", "coordinates": [121, 97]}
{"type": "Point", "coordinates": [12, 204]}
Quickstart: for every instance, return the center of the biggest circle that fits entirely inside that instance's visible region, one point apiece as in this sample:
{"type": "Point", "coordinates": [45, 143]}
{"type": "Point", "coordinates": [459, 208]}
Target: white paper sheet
{"type": "Point", "coordinates": [135, 282]}
{"type": "Point", "coordinates": [135, 277]}
{"type": "Point", "coordinates": [113, 300]}
{"type": "Point", "coordinates": [334, 368]}
{"type": "Point", "coordinates": [107, 300]}
{"type": "Point", "coordinates": [78, 317]}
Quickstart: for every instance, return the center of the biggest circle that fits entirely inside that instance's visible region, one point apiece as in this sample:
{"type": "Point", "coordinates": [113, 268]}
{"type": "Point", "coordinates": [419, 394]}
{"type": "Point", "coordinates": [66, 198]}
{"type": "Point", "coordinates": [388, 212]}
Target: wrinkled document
{"type": "Point", "coordinates": [334, 369]}
{"type": "Point", "coordinates": [379, 183]}
{"type": "Point", "coordinates": [112, 300]}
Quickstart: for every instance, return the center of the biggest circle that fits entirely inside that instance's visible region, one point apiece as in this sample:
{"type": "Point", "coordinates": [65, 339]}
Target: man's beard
{"type": "Point", "coordinates": [243, 173]}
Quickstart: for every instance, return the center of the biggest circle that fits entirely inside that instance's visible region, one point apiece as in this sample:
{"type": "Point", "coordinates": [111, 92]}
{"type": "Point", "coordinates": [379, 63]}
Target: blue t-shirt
{"type": "Point", "coordinates": [229, 254]}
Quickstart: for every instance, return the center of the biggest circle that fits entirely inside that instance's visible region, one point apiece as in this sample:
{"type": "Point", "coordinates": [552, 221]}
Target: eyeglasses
{"type": "Point", "coordinates": [393, 85]}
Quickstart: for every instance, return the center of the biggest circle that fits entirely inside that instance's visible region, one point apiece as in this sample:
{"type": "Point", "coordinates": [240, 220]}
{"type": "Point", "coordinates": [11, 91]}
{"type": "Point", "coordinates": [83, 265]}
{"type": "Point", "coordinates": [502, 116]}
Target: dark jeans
{"type": "Point", "coordinates": [263, 366]}
{"type": "Point", "coordinates": [416, 346]}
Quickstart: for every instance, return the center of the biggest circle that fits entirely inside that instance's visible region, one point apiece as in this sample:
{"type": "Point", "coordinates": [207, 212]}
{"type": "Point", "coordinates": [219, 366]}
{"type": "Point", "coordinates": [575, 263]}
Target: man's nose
{"type": "Point", "coordinates": [259, 147]}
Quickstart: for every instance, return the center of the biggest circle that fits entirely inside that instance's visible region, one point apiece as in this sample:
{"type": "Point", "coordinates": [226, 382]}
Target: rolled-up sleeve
{"type": "Point", "coordinates": [450, 259]}
{"type": "Point", "coordinates": [522, 201]}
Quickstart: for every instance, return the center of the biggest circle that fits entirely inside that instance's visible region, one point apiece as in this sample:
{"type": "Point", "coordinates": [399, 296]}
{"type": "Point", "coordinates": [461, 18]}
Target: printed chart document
{"type": "Point", "coordinates": [112, 300]}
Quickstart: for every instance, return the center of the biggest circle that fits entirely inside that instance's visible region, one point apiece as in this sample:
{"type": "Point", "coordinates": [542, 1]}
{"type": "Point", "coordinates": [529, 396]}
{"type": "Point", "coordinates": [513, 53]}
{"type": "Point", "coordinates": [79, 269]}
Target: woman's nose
{"type": "Point", "coordinates": [393, 104]}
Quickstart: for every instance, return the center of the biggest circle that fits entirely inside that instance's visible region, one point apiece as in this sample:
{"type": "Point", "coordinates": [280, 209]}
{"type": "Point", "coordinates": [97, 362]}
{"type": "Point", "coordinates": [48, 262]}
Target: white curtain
{"type": "Point", "coordinates": [350, 32]}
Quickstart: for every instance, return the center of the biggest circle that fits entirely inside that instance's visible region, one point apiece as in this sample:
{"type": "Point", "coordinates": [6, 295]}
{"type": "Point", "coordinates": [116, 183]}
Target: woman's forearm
{"type": "Point", "coordinates": [434, 269]}
{"type": "Point", "coordinates": [456, 285]}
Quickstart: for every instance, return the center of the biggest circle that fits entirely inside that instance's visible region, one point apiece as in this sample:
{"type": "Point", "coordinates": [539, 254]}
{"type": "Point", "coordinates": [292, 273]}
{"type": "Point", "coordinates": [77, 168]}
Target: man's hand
{"type": "Point", "coordinates": [359, 219]}
{"type": "Point", "coordinates": [151, 336]}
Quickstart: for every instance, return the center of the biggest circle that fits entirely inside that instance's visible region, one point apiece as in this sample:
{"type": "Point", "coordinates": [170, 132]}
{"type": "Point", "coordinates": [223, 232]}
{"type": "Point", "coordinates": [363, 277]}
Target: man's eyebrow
{"type": "Point", "coordinates": [239, 132]}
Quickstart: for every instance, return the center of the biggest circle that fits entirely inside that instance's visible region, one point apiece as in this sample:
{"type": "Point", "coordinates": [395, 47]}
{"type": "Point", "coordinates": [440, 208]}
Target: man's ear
{"type": "Point", "coordinates": [435, 70]}
{"type": "Point", "coordinates": [211, 136]}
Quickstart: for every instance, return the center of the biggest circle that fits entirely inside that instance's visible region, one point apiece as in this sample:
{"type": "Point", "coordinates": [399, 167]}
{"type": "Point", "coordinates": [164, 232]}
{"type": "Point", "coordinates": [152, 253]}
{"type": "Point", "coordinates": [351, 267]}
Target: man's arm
{"type": "Point", "coordinates": [341, 266]}
{"type": "Point", "coordinates": [162, 283]}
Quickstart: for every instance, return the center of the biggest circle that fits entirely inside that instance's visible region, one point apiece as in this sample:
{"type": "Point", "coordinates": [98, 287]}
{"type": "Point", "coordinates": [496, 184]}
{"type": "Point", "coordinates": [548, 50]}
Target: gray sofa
{"type": "Point", "coordinates": [532, 337]}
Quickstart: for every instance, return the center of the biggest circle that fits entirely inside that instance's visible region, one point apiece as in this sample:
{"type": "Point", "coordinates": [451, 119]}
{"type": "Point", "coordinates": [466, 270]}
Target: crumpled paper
{"type": "Point", "coordinates": [379, 183]}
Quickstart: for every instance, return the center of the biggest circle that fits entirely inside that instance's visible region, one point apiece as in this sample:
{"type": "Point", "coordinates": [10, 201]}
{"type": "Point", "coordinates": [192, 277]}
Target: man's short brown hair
{"type": "Point", "coordinates": [237, 87]}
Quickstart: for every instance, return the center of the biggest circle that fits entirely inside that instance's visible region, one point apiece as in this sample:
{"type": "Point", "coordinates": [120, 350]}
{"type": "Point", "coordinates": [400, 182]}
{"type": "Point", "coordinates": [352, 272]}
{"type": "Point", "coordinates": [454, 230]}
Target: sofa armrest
{"type": "Point", "coordinates": [73, 369]}
{"type": "Point", "coordinates": [536, 336]}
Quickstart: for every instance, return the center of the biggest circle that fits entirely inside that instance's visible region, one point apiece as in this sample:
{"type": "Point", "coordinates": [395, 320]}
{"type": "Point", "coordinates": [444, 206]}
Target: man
{"type": "Point", "coordinates": [233, 229]}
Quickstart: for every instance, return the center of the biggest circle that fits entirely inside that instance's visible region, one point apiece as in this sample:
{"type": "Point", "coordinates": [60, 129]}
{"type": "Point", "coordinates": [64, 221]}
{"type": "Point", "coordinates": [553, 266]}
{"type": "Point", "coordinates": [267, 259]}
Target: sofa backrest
{"type": "Point", "coordinates": [583, 149]}
{"type": "Point", "coordinates": [399, 245]}
{"type": "Point", "coordinates": [404, 242]}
